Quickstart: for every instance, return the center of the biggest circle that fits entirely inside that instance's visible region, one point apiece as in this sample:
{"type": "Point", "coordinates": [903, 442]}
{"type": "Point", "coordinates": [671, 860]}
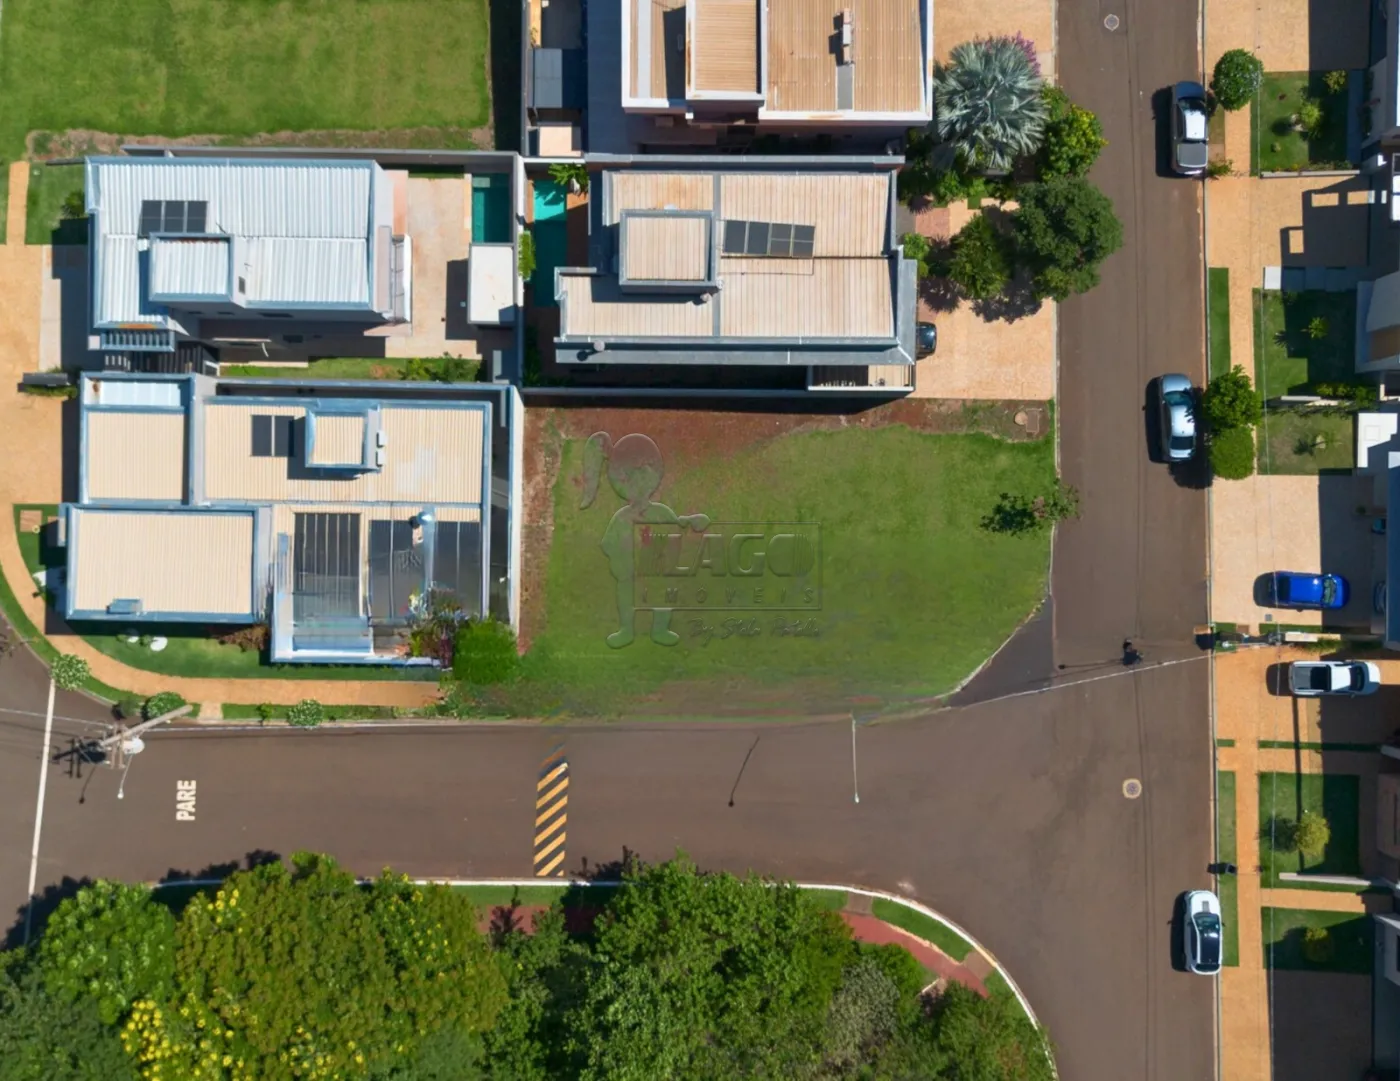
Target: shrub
{"type": "Point", "coordinates": [1317, 328]}
{"type": "Point", "coordinates": [307, 713]}
{"type": "Point", "coordinates": [1310, 116]}
{"type": "Point", "coordinates": [1224, 167]}
{"type": "Point", "coordinates": [485, 652]}
{"type": "Point", "coordinates": [69, 672]}
{"type": "Point", "coordinates": [1335, 81]}
{"type": "Point", "coordinates": [1232, 453]}
{"type": "Point", "coordinates": [1238, 75]}
{"type": "Point", "coordinates": [1311, 834]}
{"type": "Point", "coordinates": [1318, 946]}
{"type": "Point", "coordinates": [130, 709]}
{"type": "Point", "coordinates": [988, 103]}
{"type": "Point", "coordinates": [1017, 515]}
{"type": "Point", "coordinates": [1074, 137]}
{"type": "Point", "coordinates": [158, 705]}
{"type": "Point", "coordinates": [67, 393]}
{"type": "Point", "coordinates": [981, 262]}
{"type": "Point", "coordinates": [74, 206]}
{"type": "Point", "coordinates": [1355, 393]}
{"type": "Point", "coordinates": [917, 248]}
{"type": "Point", "coordinates": [1230, 401]}
{"type": "Point", "coordinates": [266, 712]}
{"type": "Point", "coordinates": [248, 639]}
{"type": "Point", "coordinates": [525, 261]}
{"type": "Point", "coordinates": [443, 369]}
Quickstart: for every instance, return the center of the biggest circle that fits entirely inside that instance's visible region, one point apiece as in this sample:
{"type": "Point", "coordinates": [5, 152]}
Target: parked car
{"type": "Point", "coordinates": [1298, 589]}
{"type": "Point", "coordinates": [1189, 139]}
{"type": "Point", "coordinates": [925, 339]}
{"type": "Point", "coordinates": [1203, 932]}
{"type": "Point", "coordinates": [1178, 409]}
{"type": "Point", "coordinates": [1310, 678]}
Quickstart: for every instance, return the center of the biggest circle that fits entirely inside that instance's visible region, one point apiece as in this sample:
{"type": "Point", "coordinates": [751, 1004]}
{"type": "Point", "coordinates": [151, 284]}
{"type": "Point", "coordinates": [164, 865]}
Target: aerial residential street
{"type": "Point", "coordinates": [1012, 815]}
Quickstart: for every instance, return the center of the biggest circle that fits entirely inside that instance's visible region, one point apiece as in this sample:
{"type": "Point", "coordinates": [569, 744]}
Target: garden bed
{"type": "Point", "coordinates": [435, 369]}
{"type": "Point", "coordinates": [1278, 146]}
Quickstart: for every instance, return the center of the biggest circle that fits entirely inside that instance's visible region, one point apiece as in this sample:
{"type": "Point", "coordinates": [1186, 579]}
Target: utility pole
{"type": "Point", "coordinates": [855, 778]}
{"type": "Point", "coordinates": [126, 743]}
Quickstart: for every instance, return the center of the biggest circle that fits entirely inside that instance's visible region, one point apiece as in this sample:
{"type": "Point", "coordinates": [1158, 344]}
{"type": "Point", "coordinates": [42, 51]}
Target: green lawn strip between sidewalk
{"type": "Point", "coordinates": [1218, 309]}
{"type": "Point", "coordinates": [237, 711]}
{"type": "Point", "coordinates": [1224, 743]}
{"type": "Point", "coordinates": [1337, 797]}
{"type": "Point", "coordinates": [930, 930]}
{"type": "Point", "coordinates": [1352, 945]}
{"type": "Point", "coordinates": [1228, 885]}
{"type": "Point", "coordinates": [1289, 745]}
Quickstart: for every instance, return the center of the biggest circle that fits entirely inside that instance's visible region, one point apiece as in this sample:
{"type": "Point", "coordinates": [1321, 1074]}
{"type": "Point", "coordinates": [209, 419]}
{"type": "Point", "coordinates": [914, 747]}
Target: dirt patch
{"type": "Point", "coordinates": [80, 142]}
{"type": "Point", "coordinates": [690, 436]}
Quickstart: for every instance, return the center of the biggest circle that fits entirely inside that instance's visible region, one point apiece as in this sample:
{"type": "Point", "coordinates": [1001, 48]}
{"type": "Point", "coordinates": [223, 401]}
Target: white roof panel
{"type": "Point", "coordinates": [296, 270]}
{"type": "Point", "coordinates": [190, 267]}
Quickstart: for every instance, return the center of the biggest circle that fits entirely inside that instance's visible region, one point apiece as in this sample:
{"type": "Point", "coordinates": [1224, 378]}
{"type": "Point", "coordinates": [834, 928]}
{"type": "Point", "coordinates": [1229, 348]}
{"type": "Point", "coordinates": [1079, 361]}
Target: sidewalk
{"type": "Point", "coordinates": [31, 450]}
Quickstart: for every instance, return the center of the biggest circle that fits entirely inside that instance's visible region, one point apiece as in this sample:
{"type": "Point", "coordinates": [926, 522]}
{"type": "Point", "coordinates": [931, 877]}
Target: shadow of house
{"type": "Point", "coordinates": [1320, 1023]}
{"type": "Point", "coordinates": [1335, 228]}
{"type": "Point", "coordinates": [1339, 32]}
{"type": "Point", "coordinates": [1347, 546]}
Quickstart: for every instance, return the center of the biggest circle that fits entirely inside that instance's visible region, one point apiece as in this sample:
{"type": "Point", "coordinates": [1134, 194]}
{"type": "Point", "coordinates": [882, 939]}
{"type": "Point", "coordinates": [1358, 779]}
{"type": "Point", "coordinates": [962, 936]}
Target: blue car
{"type": "Point", "coordinates": [1297, 589]}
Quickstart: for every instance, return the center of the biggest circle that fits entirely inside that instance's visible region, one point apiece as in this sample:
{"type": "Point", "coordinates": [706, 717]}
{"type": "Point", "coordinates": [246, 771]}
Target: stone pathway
{"type": "Point", "coordinates": [31, 471]}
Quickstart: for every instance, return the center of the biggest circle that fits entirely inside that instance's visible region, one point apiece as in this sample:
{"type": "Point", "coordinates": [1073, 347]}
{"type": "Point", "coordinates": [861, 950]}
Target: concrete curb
{"type": "Point", "coordinates": [566, 883]}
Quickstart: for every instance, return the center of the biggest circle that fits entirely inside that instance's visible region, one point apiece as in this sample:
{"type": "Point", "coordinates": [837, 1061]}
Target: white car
{"type": "Point", "coordinates": [1204, 933]}
{"type": "Point", "coordinates": [1307, 679]}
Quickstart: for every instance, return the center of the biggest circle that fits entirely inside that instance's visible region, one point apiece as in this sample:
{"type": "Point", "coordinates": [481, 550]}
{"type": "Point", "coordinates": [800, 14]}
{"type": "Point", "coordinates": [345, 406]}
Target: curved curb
{"type": "Point", "coordinates": [565, 883]}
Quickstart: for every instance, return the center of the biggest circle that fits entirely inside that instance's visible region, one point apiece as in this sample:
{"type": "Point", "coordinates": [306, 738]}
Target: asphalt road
{"type": "Point", "coordinates": [1006, 814]}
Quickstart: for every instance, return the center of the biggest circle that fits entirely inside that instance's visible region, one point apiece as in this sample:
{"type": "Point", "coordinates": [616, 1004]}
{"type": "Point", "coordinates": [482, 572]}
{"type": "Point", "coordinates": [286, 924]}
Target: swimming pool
{"type": "Point", "coordinates": [491, 209]}
{"type": "Point", "coordinates": [551, 233]}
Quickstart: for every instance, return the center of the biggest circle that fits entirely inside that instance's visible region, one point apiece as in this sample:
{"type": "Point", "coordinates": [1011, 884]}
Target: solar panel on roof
{"type": "Point", "coordinates": [734, 237]}
{"type": "Point", "coordinates": [757, 243]}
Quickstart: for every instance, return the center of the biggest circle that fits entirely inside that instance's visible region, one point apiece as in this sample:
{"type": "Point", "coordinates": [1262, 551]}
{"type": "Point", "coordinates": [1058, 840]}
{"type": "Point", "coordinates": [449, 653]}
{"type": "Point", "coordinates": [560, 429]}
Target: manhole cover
{"type": "Point", "coordinates": [1132, 788]}
{"type": "Point", "coordinates": [1021, 417]}
{"type": "Point", "coordinates": [1110, 22]}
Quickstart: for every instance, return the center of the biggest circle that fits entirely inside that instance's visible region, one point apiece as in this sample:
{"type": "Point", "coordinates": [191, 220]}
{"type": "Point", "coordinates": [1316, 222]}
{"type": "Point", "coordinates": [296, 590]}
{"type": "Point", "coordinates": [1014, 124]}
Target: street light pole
{"type": "Point", "coordinates": [855, 777]}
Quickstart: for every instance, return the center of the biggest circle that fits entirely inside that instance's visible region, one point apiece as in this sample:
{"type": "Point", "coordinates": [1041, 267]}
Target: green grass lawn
{"type": "Point", "coordinates": [1277, 146]}
{"type": "Point", "coordinates": [1228, 885]}
{"type": "Point", "coordinates": [914, 593]}
{"type": "Point", "coordinates": [916, 923]}
{"type": "Point", "coordinates": [346, 368]}
{"type": "Point", "coordinates": [49, 187]}
{"type": "Point", "coordinates": [415, 68]}
{"type": "Point", "coordinates": [1352, 943]}
{"type": "Point", "coordinates": [1306, 442]}
{"type": "Point", "coordinates": [1286, 359]}
{"type": "Point", "coordinates": [34, 547]}
{"type": "Point", "coordinates": [1283, 797]}
{"type": "Point", "coordinates": [831, 900]}
{"type": "Point", "coordinates": [1218, 307]}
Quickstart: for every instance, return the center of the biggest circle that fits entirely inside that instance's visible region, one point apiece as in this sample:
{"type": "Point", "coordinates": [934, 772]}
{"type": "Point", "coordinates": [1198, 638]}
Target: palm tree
{"type": "Point", "coordinates": [990, 108]}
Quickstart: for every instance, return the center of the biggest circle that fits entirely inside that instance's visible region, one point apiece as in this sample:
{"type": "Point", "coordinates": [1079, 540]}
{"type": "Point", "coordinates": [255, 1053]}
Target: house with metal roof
{"type": "Point", "coordinates": [779, 64]}
{"type": "Point", "coordinates": [754, 263]}
{"type": "Point", "coordinates": [337, 513]}
{"type": "Point", "coordinates": [178, 241]}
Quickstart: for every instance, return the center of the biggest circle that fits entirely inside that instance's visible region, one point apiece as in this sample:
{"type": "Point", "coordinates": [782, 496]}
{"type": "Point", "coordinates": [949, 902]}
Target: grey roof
{"type": "Point", "coordinates": [558, 79]}
{"type": "Point", "coordinates": [299, 233]}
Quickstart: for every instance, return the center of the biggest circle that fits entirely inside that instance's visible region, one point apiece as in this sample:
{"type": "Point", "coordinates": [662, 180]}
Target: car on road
{"type": "Point", "coordinates": [1203, 932]}
{"type": "Point", "coordinates": [1177, 402]}
{"type": "Point", "coordinates": [1299, 589]}
{"type": "Point", "coordinates": [1190, 148]}
{"type": "Point", "coordinates": [925, 339]}
{"type": "Point", "coordinates": [1310, 678]}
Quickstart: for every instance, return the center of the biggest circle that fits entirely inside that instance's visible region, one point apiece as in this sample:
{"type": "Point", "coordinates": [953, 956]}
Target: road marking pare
{"type": "Point", "coordinates": [184, 801]}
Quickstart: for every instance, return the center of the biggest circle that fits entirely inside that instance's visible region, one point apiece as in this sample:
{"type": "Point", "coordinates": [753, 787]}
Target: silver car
{"type": "Point", "coordinates": [1190, 139]}
{"type": "Point", "coordinates": [1178, 405]}
{"type": "Point", "coordinates": [1308, 679]}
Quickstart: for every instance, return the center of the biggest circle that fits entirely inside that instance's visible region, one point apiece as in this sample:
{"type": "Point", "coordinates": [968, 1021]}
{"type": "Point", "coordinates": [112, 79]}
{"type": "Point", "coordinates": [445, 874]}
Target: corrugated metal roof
{"type": "Point", "coordinates": [190, 267]}
{"type": "Point", "coordinates": [306, 225]}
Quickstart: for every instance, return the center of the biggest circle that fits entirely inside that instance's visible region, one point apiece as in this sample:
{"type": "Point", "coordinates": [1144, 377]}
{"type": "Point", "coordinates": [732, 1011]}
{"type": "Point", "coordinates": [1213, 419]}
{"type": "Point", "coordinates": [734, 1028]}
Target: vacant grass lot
{"type": "Point", "coordinates": [1283, 797]}
{"type": "Point", "coordinates": [1306, 442]}
{"type": "Point", "coordinates": [50, 186]}
{"type": "Point", "coordinates": [1350, 948]}
{"type": "Point", "coordinates": [915, 594]}
{"type": "Point", "coordinates": [237, 69]}
{"type": "Point", "coordinates": [1277, 147]}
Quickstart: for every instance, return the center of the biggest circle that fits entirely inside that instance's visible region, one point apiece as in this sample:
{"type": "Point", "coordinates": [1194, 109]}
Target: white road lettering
{"type": "Point", "coordinates": [184, 801]}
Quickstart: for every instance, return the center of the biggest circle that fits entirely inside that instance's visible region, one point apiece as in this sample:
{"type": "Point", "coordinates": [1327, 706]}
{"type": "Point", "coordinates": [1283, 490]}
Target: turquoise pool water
{"type": "Point", "coordinates": [551, 239]}
{"type": "Point", "coordinates": [491, 208]}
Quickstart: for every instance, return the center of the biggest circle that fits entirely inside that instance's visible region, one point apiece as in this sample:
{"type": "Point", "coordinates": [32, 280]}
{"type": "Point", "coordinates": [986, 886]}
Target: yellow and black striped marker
{"type": "Point", "coordinates": [551, 814]}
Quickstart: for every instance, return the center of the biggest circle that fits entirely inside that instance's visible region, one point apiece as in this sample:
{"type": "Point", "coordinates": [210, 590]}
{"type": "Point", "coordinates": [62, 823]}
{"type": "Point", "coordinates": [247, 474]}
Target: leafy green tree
{"type": "Point", "coordinates": [981, 261]}
{"type": "Point", "coordinates": [1232, 453]}
{"type": "Point", "coordinates": [110, 943]}
{"type": "Point", "coordinates": [1017, 515]}
{"type": "Point", "coordinates": [707, 975]}
{"type": "Point", "coordinates": [45, 1037]}
{"type": "Point", "coordinates": [988, 104]}
{"type": "Point", "coordinates": [1074, 137]}
{"type": "Point", "coordinates": [307, 974]}
{"type": "Point", "coordinates": [1064, 229]}
{"type": "Point", "coordinates": [69, 672]}
{"type": "Point", "coordinates": [1230, 401]}
{"type": "Point", "coordinates": [1238, 76]}
{"type": "Point", "coordinates": [864, 1017]}
{"type": "Point", "coordinates": [987, 1039]}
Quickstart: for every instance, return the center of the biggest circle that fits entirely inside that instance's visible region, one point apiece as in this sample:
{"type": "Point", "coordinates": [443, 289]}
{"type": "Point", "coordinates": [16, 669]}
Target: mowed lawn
{"type": "Point", "coordinates": [915, 594]}
{"type": "Point", "coordinates": [236, 68]}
